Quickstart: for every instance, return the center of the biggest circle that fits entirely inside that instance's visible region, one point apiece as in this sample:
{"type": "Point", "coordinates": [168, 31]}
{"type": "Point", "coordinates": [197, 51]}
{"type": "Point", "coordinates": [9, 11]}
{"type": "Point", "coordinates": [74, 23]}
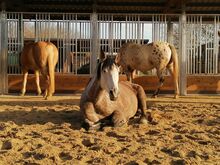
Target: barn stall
{"type": "Point", "coordinates": [80, 36]}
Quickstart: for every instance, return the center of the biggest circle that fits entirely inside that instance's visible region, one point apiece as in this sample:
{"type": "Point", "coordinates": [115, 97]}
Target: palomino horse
{"type": "Point", "coordinates": [106, 97]}
{"type": "Point", "coordinates": [159, 55]}
{"type": "Point", "coordinates": [40, 57]}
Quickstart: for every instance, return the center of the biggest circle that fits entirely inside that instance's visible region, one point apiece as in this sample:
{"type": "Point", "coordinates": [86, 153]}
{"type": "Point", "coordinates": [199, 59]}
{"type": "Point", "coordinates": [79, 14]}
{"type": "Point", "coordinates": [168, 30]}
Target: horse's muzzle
{"type": "Point", "coordinates": [113, 95]}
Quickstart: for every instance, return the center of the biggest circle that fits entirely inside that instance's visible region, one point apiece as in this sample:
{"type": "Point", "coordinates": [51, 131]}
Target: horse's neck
{"type": "Point", "coordinates": [94, 90]}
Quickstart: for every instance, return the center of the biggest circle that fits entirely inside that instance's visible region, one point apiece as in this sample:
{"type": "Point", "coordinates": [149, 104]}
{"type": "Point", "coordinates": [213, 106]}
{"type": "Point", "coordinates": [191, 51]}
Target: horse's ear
{"type": "Point", "coordinates": [117, 58]}
{"type": "Point", "coordinates": [102, 55]}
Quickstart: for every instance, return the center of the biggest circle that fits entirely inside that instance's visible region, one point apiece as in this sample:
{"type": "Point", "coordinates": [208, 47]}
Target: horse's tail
{"type": "Point", "coordinates": [174, 58]}
{"type": "Point", "coordinates": [51, 66]}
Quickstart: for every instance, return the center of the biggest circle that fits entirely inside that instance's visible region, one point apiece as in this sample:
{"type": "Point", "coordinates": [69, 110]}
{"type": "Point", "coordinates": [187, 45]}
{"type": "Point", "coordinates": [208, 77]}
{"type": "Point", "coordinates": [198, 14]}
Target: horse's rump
{"type": "Point", "coordinates": [40, 57]}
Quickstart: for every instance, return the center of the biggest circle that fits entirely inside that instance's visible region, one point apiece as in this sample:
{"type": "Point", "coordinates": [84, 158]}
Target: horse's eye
{"type": "Point", "coordinates": [105, 70]}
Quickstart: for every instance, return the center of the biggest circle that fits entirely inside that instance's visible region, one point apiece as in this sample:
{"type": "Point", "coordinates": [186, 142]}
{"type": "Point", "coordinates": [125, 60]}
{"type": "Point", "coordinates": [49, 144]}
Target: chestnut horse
{"type": "Point", "coordinates": [159, 55]}
{"type": "Point", "coordinates": [40, 57]}
{"type": "Point", "coordinates": [106, 97]}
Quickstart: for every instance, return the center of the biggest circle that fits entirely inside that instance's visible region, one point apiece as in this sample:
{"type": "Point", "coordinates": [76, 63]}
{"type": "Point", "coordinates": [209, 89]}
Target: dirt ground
{"type": "Point", "coordinates": [35, 131]}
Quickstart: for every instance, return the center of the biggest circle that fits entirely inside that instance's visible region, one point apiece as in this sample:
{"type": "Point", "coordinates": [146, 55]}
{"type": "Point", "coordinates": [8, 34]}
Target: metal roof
{"type": "Point", "coordinates": [113, 6]}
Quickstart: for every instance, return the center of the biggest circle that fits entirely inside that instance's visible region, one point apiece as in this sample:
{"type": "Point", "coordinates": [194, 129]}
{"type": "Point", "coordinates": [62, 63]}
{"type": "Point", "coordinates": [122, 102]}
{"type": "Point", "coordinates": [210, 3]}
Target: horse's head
{"type": "Point", "coordinates": [108, 74]}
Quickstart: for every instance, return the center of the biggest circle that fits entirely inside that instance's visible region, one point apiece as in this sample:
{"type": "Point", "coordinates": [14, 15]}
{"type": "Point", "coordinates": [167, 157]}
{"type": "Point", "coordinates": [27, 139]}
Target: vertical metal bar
{"type": "Point", "coordinates": [158, 27]}
{"type": "Point", "coordinates": [76, 39]}
{"type": "Point", "coordinates": [153, 36]}
{"type": "Point", "coordinates": [194, 46]}
{"type": "Point", "coordinates": [94, 44]}
{"type": "Point", "coordinates": [13, 41]}
{"type": "Point", "coordinates": [170, 31]}
{"type": "Point", "coordinates": [206, 68]}
{"type": "Point", "coordinates": [165, 28]}
{"type": "Point", "coordinates": [218, 45]}
{"type": "Point", "coordinates": [21, 36]}
{"type": "Point", "coordinates": [3, 53]}
{"type": "Point", "coordinates": [190, 46]}
{"type": "Point", "coordinates": [39, 28]}
{"type": "Point", "coordinates": [208, 51]}
{"type": "Point", "coordinates": [215, 52]}
{"type": "Point", "coordinates": [183, 54]}
{"type": "Point", "coordinates": [197, 44]}
{"type": "Point", "coordinates": [138, 30]}
{"type": "Point", "coordinates": [142, 37]}
{"type": "Point", "coordinates": [36, 27]}
{"type": "Point", "coordinates": [49, 27]}
{"type": "Point", "coordinates": [200, 44]}
{"type": "Point", "coordinates": [111, 34]}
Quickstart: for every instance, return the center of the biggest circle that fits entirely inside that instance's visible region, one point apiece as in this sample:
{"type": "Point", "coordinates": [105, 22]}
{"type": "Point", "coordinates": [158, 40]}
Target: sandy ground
{"type": "Point", "coordinates": [35, 131]}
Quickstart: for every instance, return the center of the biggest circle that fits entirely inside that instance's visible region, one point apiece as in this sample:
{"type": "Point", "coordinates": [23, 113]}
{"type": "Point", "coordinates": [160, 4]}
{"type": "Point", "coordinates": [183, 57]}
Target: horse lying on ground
{"type": "Point", "coordinates": [106, 97]}
{"type": "Point", "coordinates": [40, 57]}
{"type": "Point", "coordinates": [159, 55]}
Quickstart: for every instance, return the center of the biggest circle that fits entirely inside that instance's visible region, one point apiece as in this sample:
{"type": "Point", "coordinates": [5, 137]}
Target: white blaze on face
{"type": "Point", "coordinates": [110, 79]}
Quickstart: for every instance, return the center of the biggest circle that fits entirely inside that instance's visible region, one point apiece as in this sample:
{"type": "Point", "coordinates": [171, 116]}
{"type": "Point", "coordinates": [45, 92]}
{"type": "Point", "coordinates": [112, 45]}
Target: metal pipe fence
{"type": "Point", "coordinates": [75, 36]}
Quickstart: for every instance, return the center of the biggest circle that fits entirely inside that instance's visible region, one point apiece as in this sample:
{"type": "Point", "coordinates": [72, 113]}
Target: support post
{"type": "Point", "coordinates": [3, 54]}
{"type": "Point", "coordinates": [170, 31]}
{"type": "Point", "coordinates": [182, 59]}
{"type": "Point", "coordinates": [94, 42]}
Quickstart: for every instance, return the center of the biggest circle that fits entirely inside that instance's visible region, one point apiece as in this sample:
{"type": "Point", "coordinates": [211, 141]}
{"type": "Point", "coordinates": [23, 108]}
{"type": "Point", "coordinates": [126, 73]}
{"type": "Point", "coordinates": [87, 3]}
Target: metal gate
{"type": "Point", "coordinates": [202, 44]}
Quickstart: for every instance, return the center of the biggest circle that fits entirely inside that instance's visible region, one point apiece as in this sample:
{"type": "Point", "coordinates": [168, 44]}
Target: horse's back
{"type": "Point", "coordinates": [135, 56]}
{"type": "Point", "coordinates": [144, 57]}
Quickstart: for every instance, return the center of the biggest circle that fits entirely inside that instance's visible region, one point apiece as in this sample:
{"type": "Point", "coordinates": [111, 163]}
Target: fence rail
{"type": "Point", "coordinates": [73, 34]}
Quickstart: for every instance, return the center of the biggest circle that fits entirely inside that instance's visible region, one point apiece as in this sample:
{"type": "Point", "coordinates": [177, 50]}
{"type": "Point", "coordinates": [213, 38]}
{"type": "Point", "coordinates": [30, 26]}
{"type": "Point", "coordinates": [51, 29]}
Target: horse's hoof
{"type": "Point", "coordinates": [21, 94]}
{"type": "Point", "coordinates": [95, 127]}
{"type": "Point", "coordinates": [120, 123]}
{"type": "Point", "coordinates": [149, 117]}
{"type": "Point", "coordinates": [143, 120]}
{"type": "Point", "coordinates": [47, 97]}
{"type": "Point", "coordinates": [146, 119]}
{"type": "Point", "coordinates": [39, 94]}
{"type": "Point", "coordinates": [176, 96]}
{"type": "Point", "coordinates": [85, 125]}
{"type": "Point", "coordinates": [154, 96]}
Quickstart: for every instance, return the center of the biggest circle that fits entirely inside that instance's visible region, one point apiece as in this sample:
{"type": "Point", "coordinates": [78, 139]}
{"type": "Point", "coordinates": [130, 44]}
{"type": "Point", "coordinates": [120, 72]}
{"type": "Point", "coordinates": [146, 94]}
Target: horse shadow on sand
{"type": "Point", "coordinates": [39, 112]}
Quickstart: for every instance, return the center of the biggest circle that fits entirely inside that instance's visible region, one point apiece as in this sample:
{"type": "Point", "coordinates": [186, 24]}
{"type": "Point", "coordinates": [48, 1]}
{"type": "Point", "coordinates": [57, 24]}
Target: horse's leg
{"type": "Point", "coordinates": [91, 117]}
{"type": "Point", "coordinates": [130, 75]}
{"type": "Point", "coordinates": [118, 119]}
{"type": "Point", "coordinates": [46, 78]}
{"type": "Point", "coordinates": [141, 96]}
{"type": "Point", "coordinates": [23, 90]}
{"type": "Point", "coordinates": [160, 75]}
{"type": "Point", "coordinates": [51, 87]}
{"type": "Point", "coordinates": [175, 80]}
{"type": "Point", "coordinates": [38, 82]}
